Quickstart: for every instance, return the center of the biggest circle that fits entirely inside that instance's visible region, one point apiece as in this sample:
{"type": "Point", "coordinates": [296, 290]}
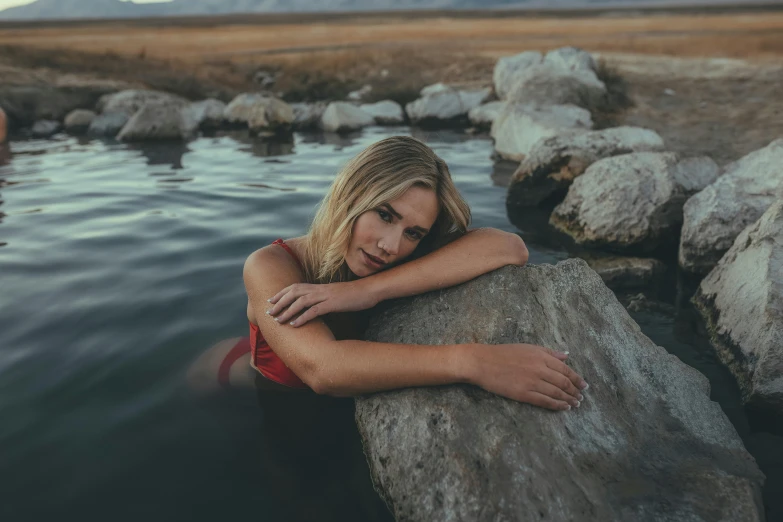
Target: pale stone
{"type": "Point", "coordinates": [131, 100]}
{"type": "Point", "coordinates": [385, 112]}
{"type": "Point", "coordinates": [484, 115]}
{"type": "Point", "coordinates": [79, 120]}
{"type": "Point", "coordinates": [444, 104]}
{"type": "Point", "coordinates": [343, 116]}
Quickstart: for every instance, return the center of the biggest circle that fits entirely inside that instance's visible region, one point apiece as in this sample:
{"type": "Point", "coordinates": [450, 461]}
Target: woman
{"type": "Point", "coordinates": [392, 225]}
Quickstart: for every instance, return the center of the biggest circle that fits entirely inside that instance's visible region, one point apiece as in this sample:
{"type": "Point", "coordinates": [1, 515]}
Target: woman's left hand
{"type": "Point", "coordinates": [315, 300]}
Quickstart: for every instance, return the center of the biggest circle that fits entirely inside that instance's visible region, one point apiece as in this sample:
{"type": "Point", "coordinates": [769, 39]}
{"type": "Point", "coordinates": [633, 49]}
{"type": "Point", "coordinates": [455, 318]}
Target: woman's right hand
{"type": "Point", "coordinates": [526, 373]}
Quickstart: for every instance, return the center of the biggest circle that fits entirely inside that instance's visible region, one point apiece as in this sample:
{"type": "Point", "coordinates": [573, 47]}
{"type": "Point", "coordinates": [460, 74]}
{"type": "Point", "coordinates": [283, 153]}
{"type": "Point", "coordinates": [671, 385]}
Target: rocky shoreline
{"type": "Point", "coordinates": [566, 122]}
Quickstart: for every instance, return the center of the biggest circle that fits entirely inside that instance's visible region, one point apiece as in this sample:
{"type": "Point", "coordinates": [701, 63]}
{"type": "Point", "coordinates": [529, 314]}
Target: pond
{"type": "Point", "coordinates": [121, 263]}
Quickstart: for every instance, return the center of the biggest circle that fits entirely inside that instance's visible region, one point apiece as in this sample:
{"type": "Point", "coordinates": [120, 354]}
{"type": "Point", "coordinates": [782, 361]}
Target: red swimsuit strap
{"type": "Point", "coordinates": [288, 249]}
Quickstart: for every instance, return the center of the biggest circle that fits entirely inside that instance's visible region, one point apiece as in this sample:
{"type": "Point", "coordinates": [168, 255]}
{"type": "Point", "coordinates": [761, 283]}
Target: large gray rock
{"type": "Point", "coordinates": [131, 101]}
{"type": "Point", "coordinates": [565, 76]}
{"type": "Point", "coordinates": [629, 202]}
{"type": "Point", "coordinates": [440, 104]}
{"type": "Point", "coordinates": [715, 216]}
{"type": "Point", "coordinates": [79, 121]}
{"type": "Point", "coordinates": [156, 122]}
{"type": "Point", "coordinates": [554, 162]}
{"type": "Point", "coordinates": [386, 112]}
{"type": "Point", "coordinates": [742, 303]}
{"type": "Point", "coordinates": [519, 126]}
{"type": "Point", "coordinates": [344, 116]}
{"type": "Point", "coordinates": [647, 444]}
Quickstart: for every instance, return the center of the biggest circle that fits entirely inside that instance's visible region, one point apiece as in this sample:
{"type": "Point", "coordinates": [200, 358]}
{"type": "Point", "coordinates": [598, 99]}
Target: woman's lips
{"type": "Point", "coordinates": [372, 261]}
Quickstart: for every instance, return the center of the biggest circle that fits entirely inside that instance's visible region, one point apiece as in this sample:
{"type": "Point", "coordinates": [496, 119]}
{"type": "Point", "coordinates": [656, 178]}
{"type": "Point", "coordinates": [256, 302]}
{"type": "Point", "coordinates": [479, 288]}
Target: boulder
{"type": "Point", "coordinates": [385, 112]}
{"type": "Point", "coordinates": [520, 126]}
{"type": "Point", "coordinates": [714, 217]}
{"type": "Point", "coordinates": [565, 76]}
{"type": "Point", "coordinates": [343, 116]}
{"type": "Point", "coordinates": [261, 113]}
{"type": "Point", "coordinates": [108, 124]}
{"type": "Point", "coordinates": [45, 128]}
{"type": "Point", "coordinates": [621, 273]}
{"type": "Point", "coordinates": [132, 100]}
{"type": "Point", "coordinates": [205, 114]}
{"type": "Point", "coordinates": [508, 67]}
{"type": "Point", "coordinates": [646, 444]}
{"type": "Point", "coordinates": [79, 121]}
{"type": "Point", "coordinates": [485, 115]}
{"type": "Point", "coordinates": [156, 121]}
{"type": "Point", "coordinates": [554, 162]}
{"type": "Point", "coordinates": [741, 301]}
{"type": "Point", "coordinates": [442, 104]}
{"type": "Point", "coordinates": [629, 202]}
{"type": "Point", "coordinates": [308, 115]}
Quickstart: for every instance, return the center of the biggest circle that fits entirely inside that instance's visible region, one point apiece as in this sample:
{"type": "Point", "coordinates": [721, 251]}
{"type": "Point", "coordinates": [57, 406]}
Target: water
{"type": "Point", "coordinates": [120, 263]}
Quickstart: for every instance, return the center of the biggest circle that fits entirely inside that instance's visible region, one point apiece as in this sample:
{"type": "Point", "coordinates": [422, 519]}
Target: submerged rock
{"type": "Point", "coordinates": [441, 104]}
{"type": "Point", "coordinates": [554, 162]}
{"type": "Point", "coordinates": [385, 112]}
{"type": "Point", "coordinates": [715, 216]}
{"type": "Point", "coordinates": [343, 116]}
{"type": "Point", "coordinates": [519, 126]}
{"type": "Point", "coordinates": [79, 121]}
{"type": "Point", "coordinates": [646, 444]}
{"type": "Point", "coordinates": [620, 273]}
{"type": "Point", "coordinates": [741, 301]}
{"type": "Point", "coordinates": [633, 201]}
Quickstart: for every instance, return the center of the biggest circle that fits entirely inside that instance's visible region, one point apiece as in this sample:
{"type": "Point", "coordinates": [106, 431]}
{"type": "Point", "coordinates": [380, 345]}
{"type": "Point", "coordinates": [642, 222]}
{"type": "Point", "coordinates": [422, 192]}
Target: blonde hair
{"type": "Point", "coordinates": [379, 174]}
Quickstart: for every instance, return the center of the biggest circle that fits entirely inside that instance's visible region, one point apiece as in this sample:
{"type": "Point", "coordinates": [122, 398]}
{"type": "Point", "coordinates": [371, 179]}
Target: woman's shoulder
{"type": "Point", "coordinates": [275, 255]}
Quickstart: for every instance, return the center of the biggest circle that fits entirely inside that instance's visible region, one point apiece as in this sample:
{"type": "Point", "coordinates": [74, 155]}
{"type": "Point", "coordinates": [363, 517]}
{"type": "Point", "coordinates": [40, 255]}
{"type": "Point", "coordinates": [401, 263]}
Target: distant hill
{"type": "Point", "coordinates": [74, 9]}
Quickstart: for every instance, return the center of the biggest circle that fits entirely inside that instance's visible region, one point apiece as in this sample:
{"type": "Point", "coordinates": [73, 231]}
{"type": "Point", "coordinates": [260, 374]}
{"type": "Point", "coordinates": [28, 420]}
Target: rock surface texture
{"type": "Point", "coordinates": [79, 120]}
{"type": "Point", "coordinates": [440, 103]}
{"type": "Point", "coordinates": [308, 115]}
{"type": "Point", "coordinates": [132, 100]}
{"type": "Point", "coordinates": [485, 115]}
{"type": "Point", "coordinates": [647, 443]}
{"type": "Point", "coordinates": [520, 126]}
{"type": "Point", "coordinates": [631, 202]}
{"type": "Point", "coordinates": [715, 216]}
{"type": "Point", "coordinates": [261, 113]}
{"type": "Point", "coordinates": [205, 114]}
{"type": "Point", "coordinates": [626, 272]}
{"type": "Point", "coordinates": [385, 112]}
{"type": "Point", "coordinates": [554, 162]}
{"type": "Point", "coordinates": [742, 303]}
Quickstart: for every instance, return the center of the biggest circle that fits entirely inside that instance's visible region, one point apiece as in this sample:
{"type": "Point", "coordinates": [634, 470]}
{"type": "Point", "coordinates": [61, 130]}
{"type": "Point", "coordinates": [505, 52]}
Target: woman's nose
{"type": "Point", "coordinates": [390, 244]}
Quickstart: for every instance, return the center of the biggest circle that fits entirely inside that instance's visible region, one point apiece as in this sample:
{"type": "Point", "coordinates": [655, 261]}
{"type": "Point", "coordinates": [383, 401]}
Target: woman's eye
{"type": "Point", "coordinates": [414, 235]}
{"type": "Point", "coordinates": [384, 215]}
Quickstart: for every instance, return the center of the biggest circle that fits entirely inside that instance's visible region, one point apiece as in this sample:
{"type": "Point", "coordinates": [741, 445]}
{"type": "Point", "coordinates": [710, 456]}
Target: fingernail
{"type": "Point", "coordinates": [269, 300]}
{"type": "Point", "coordinates": [585, 386]}
{"type": "Point", "coordinates": [291, 323]}
{"type": "Point", "coordinates": [581, 397]}
{"type": "Point", "coordinates": [568, 407]}
{"type": "Point", "coordinates": [578, 403]}
{"type": "Point", "coordinates": [268, 312]}
{"type": "Point", "coordinates": [566, 353]}
{"type": "Point", "coordinates": [277, 319]}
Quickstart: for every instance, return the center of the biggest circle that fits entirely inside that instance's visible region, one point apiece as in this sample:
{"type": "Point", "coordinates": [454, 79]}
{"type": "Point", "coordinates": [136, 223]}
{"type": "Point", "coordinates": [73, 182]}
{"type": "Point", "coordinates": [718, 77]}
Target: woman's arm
{"type": "Point", "coordinates": [521, 372]}
{"type": "Point", "coordinates": [469, 256]}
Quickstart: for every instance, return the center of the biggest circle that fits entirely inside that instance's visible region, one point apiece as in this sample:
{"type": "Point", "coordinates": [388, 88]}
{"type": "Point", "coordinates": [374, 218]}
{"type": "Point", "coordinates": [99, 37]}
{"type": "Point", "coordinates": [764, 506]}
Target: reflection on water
{"type": "Point", "coordinates": [112, 282]}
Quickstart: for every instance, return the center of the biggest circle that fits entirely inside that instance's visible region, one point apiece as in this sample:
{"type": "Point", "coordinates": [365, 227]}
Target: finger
{"type": "Point", "coordinates": [279, 294]}
{"type": "Point", "coordinates": [539, 399]}
{"type": "Point", "coordinates": [310, 314]}
{"type": "Point", "coordinates": [566, 370]}
{"type": "Point", "coordinates": [550, 390]}
{"type": "Point", "coordinates": [295, 308]}
{"type": "Point", "coordinates": [284, 302]}
{"type": "Point", "coordinates": [561, 381]}
{"type": "Point", "coordinates": [556, 354]}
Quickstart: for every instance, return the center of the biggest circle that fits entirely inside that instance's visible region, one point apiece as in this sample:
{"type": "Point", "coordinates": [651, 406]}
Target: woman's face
{"type": "Point", "coordinates": [388, 234]}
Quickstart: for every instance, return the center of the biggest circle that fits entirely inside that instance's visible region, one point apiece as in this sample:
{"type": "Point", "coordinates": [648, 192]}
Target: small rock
{"type": "Point", "coordinates": [131, 100]}
{"type": "Point", "coordinates": [205, 114]}
{"type": "Point", "coordinates": [155, 121]}
{"type": "Point", "coordinates": [385, 112]}
{"type": "Point", "coordinates": [308, 115]}
{"type": "Point", "coordinates": [260, 112]}
{"type": "Point", "coordinates": [45, 128]}
{"type": "Point", "coordinates": [343, 117]}
{"type": "Point", "coordinates": [669, 92]}
{"type": "Point", "coordinates": [442, 104]}
{"type": "Point", "coordinates": [108, 124]}
{"type": "Point", "coordinates": [264, 79]}
{"type": "Point", "coordinates": [79, 120]}
{"type": "Point", "coordinates": [360, 94]}
{"type": "Point", "coordinates": [619, 273]}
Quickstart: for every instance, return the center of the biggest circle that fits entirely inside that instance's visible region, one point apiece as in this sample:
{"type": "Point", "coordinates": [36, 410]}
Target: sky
{"type": "Point", "coordinates": [4, 4]}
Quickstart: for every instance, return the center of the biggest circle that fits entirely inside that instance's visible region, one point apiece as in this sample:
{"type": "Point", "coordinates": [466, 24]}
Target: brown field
{"type": "Point", "coordinates": [324, 58]}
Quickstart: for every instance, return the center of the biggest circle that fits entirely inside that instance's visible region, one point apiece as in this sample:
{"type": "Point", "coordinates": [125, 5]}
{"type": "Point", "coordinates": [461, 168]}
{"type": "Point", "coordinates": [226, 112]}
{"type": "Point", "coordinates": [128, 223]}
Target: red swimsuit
{"type": "Point", "coordinates": [262, 358]}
